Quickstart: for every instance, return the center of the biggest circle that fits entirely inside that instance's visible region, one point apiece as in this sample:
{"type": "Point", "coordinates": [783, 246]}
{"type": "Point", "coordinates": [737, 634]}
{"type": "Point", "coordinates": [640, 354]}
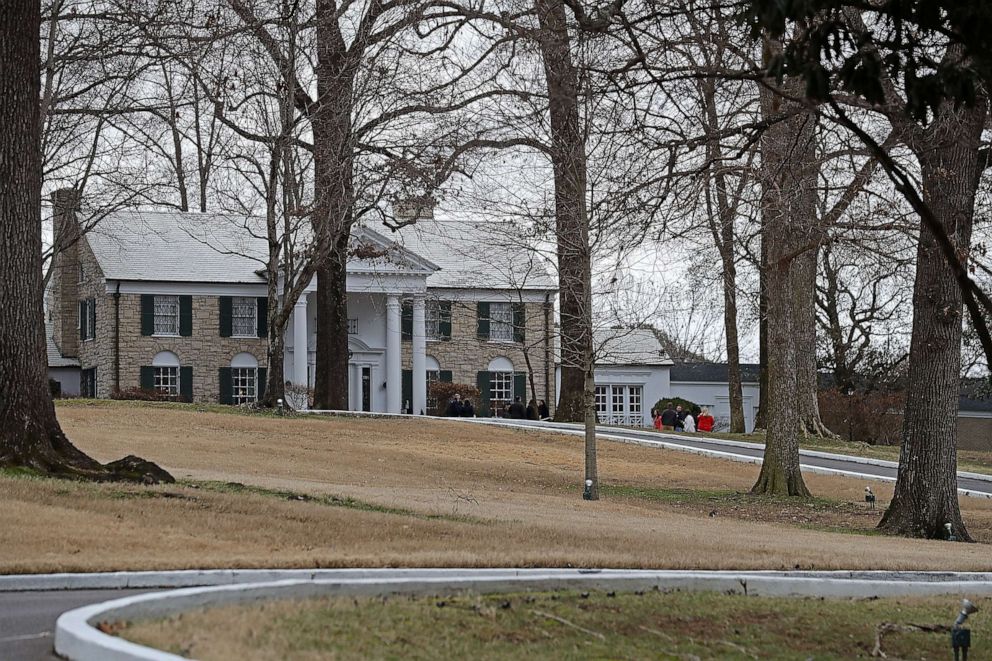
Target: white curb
{"type": "Point", "coordinates": [76, 637]}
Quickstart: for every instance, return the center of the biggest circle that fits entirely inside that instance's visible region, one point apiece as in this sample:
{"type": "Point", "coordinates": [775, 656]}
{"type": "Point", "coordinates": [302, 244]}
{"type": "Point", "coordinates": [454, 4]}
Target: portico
{"type": "Point", "coordinates": [377, 288]}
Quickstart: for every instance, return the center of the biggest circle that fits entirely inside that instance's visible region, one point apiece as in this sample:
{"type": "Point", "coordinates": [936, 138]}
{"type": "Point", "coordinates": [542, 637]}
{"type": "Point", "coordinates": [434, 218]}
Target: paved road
{"type": "Point", "coordinates": [741, 451]}
{"type": "Point", "coordinates": [27, 619]}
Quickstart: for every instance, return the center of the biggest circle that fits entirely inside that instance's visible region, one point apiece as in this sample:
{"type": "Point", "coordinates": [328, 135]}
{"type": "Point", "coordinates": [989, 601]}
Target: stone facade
{"type": "Point", "coordinates": [465, 354]}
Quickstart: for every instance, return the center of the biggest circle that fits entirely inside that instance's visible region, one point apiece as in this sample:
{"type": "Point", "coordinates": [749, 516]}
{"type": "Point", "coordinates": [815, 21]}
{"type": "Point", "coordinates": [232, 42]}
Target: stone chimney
{"type": "Point", "coordinates": [65, 270]}
{"type": "Point", "coordinates": [420, 207]}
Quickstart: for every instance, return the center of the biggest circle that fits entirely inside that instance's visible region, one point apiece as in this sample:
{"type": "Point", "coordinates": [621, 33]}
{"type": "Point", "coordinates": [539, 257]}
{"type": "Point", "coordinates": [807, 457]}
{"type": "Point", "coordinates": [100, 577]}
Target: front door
{"type": "Point", "coordinates": [366, 388]}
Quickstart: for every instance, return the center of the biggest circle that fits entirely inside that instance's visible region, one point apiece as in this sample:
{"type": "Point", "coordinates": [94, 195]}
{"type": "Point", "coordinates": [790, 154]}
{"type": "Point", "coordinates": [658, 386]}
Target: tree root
{"type": "Point", "coordinates": [888, 627]}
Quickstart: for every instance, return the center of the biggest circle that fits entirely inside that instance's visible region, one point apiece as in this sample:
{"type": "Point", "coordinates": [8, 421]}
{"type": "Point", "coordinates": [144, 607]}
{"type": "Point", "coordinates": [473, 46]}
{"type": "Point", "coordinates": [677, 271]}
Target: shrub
{"type": "Point", "coordinates": [686, 405]}
{"type": "Point", "coordinates": [142, 395]}
{"type": "Point", "coordinates": [874, 417]}
{"type": "Point", "coordinates": [443, 391]}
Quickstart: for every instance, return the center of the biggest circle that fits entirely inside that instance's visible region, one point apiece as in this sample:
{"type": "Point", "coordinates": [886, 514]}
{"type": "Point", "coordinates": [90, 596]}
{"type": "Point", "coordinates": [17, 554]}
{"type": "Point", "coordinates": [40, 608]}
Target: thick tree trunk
{"type": "Point", "coordinates": [333, 209]}
{"type": "Point", "coordinates": [787, 205]}
{"type": "Point", "coordinates": [30, 435]}
{"type": "Point", "coordinates": [926, 495]}
{"type": "Point", "coordinates": [804, 313]}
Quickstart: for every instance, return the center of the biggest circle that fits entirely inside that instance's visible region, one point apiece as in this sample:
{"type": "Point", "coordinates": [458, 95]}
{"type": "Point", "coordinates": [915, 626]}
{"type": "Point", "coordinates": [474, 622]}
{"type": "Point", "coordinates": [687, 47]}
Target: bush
{"type": "Point", "coordinates": [443, 391]}
{"type": "Point", "coordinates": [686, 405]}
{"type": "Point", "coordinates": [143, 395]}
{"type": "Point", "coordinates": [874, 417]}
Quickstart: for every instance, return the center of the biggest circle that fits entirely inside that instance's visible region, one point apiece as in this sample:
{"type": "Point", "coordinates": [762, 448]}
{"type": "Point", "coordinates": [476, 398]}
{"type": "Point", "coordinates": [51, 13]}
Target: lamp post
{"type": "Point", "coordinates": [849, 391]}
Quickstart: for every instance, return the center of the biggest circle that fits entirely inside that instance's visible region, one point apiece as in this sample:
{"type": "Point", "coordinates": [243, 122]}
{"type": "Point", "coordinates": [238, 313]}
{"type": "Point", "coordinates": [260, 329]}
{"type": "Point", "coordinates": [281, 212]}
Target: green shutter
{"type": "Point", "coordinates": [147, 378]}
{"type": "Point", "coordinates": [186, 316]}
{"type": "Point", "coordinates": [83, 318]}
{"type": "Point", "coordinates": [262, 375]}
{"type": "Point", "coordinates": [406, 389]}
{"type": "Point", "coordinates": [147, 314]}
{"type": "Point", "coordinates": [444, 326]}
{"type": "Point", "coordinates": [519, 322]}
{"type": "Point", "coordinates": [445, 376]}
{"type": "Point", "coordinates": [406, 318]}
{"type": "Point", "coordinates": [226, 316]}
{"type": "Point", "coordinates": [186, 384]}
{"type": "Point", "coordinates": [226, 386]}
{"type": "Point", "coordinates": [520, 385]}
{"type": "Point", "coordinates": [263, 316]}
{"type": "Point", "coordinates": [482, 331]}
{"type": "Point", "coordinates": [482, 382]}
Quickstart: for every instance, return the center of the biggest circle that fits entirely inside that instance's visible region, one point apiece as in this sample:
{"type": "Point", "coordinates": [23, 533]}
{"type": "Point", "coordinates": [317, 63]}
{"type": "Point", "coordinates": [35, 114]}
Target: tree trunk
{"type": "Point", "coordinates": [30, 434]}
{"type": "Point", "coordinates": [926, 495]}
{"type": "Point", "coordinates": [571, 220]}
{"type": "Point", "coordinates": [761, 418]}
{"type": "Point", "coordinates": [333, 208]}
{"type": "Point", "coordinates": [787, 204]}
{"type": "Point", "coordinates": [804, 300]}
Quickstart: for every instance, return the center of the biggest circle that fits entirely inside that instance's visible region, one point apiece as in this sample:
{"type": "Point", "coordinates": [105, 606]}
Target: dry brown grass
{"type": "Point", "coordinates": [499, 497]}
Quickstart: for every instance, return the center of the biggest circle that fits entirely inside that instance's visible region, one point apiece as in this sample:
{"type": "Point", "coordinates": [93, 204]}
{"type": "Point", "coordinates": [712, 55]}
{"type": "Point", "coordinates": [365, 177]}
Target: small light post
{"type": "Point", "coordinates": [279, 405]}
{"type": "Point", "coordinates": [961, 637]}
{"type": "Point", "coordinates": [849, 391]}
{"type": "Point", "coordinates": [869, 497]}
{"type": "Point", "coordinates": [587, 492]}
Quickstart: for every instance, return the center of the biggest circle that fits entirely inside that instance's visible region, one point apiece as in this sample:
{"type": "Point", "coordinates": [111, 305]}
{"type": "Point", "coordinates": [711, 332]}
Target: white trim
{"type": "Point", "coordinates": [187, 288]}
{"type": "Point", "coordinates": [489, 295]}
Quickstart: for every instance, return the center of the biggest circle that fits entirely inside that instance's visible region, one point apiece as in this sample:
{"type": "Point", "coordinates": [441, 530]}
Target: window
{"type": "Point", "coordinates": [433, 376]}
{"type": "Point", "coordinates": [353, 327]}
{"type": "Point", "coordinates": [601, 396]}
{"type": "Point", "coordinates": [433, 319]}
{"type": "Point", "coordinates": [82, 275]}
{"type": "Point", "coordinates": [166, 315]}
{"type": "Point", "coordinates": [244, 316]}
{"type": "Point", "coordinates": [618, 400]}
{"type": "Point", "coordinates": [500, 387]}
{"type": "Point", "coordinates": [87, 319]}
{"type": "Point", "coordinates": [167, 380]}
{"type": "Point", "coordinates": [634, 402]}
{"type": "Point", "coordinates": [501, 322]}
{"type": "Point", "coordinates": [244, 384]}
{"type": "Point", "coordinates": [87, 383]}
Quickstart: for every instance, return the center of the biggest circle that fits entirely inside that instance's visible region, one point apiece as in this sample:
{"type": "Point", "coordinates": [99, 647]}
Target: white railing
{"type": "Point", "coordinates": [623, 419]}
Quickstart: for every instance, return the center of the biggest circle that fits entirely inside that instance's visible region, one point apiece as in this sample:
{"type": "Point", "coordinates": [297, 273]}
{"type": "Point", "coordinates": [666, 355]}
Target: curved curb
{"type": "Point", "coordinates": [77, 638]}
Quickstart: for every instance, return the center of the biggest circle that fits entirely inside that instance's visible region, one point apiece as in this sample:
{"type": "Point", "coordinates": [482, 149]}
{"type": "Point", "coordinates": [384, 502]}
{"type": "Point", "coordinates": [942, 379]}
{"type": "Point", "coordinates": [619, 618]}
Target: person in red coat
{"type": "Point", "coordinates": [705, 421]}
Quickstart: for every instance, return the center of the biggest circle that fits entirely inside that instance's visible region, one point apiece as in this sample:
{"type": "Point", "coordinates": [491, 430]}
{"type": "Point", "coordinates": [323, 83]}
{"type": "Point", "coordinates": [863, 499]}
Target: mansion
{"type": "Point", "coordinates": [176, 302]}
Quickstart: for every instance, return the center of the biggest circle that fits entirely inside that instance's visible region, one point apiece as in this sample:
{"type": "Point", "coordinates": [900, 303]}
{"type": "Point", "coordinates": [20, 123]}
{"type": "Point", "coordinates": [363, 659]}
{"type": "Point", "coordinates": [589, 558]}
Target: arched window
{"type": "Point", "coordinates": [500, 383]}
{"type": "Point", "coordinates": [433, 374]}
{"type": "Point", "coordinates": [165, 373]}
{"type": "Point", "coordinates": [244, 379]}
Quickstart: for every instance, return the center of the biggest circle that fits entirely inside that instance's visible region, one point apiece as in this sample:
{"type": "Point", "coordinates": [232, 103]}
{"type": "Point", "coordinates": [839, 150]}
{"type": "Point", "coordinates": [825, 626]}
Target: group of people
{"type": "Point", "coordinates": [679, 419]}
{"type": "Point", "coordinates": [535, 410]}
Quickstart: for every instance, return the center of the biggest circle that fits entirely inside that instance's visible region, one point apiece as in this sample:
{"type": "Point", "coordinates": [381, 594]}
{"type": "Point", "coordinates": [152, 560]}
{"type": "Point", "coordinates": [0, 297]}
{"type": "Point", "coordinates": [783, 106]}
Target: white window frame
{"type": "Point", "coordinates": [501, 382]}
{"type": "Point", "coordinates": [166, 380]}
{"type": "Point", "coordinates": [251, 304]}
{"type": "Point", "coordinates": [501, 322]}
{"type": "Point", "coordinates": [432, 321]}
{"type": "Point", "coordinates": [433, 376]}
{"type": "Point", "coordinates": [353, 326]}
{"type": "Point", "coordinates": [165, 300]}
{"type": "Point", "coordinates": [244, 385]}
{"type": "Point", "coordinates": [602, 399]}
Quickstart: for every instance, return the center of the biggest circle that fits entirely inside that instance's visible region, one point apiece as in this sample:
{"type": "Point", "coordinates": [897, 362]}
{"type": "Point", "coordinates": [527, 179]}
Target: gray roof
{"type": "Point", "coordinates": [172, 246]}
{"type": "Point", "coordinates": [55, 357]}
{"type": "Point", "coordinates": [712, 372]}
{"type": "Point", "coordinates": [476, 254]}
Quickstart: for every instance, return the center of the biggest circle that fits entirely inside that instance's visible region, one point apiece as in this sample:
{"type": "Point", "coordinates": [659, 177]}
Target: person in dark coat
{"type": "Point", "coordinates": [468, 411]}
{"type": "Point", "coordinates": [532, 413]}
{"type": "Point", "coordinates": [668, 418]}
{"type": "Point", "coordinates": [455, 407]}
{"type": "Point", "coordinates": [517, 410]}
{"type": "Point", "coordinates": [679, 419]}
{"type": "Point", "coordinates": [542, 410]}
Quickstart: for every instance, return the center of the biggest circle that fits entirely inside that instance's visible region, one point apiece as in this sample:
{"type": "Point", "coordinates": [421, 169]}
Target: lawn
{"type": "Point", "coordinates": [264, 491]}
{"type": "Point", "coordinates": [565, 625]}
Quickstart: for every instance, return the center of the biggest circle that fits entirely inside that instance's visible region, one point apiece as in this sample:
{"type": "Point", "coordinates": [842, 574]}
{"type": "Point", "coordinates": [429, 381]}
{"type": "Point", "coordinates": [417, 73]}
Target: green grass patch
{"type": "Point", "coordinates": [568, 625]}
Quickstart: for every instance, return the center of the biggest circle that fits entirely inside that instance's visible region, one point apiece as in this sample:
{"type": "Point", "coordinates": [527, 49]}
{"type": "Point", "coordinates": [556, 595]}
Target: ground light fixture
{"type": "Point", "coordinates": [951, 537]}
{"type": "Point", "coordinates": [961, 637]}
{"type": "Point", "coordinates": [587, 492]}
{"type": "Point", "coordinates": [869, 497]}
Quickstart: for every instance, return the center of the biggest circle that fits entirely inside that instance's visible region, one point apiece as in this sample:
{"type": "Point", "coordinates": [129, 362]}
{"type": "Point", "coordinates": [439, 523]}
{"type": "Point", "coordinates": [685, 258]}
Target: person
{"type": "Point", "coordinates": [542, 410]}
{"type": "Point", "coordinates": [532, 410]}
{"type": "Point", "coordinates": [668, 418]}
{"type": "Point", "coordinates": [679, 418]}
{"type": "Point", "coordinates": [468, 411]}
{"type": "Point", "coordinates": [517, 411]}
{"type": "Point", "coordinates": [455, 407]}
{"type": "Point", "coordinates": [689, 423]}
{"type": "Point", "coordinates": [705, 420]}
{"type": "Point", "coordinates": [656, 419]}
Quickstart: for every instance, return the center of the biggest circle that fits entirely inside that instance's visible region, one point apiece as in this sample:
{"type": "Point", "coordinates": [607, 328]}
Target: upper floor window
{"type": "Point", "coordinates": [244, 316]}
{"type": "Point", "coordinates": [501, 322]}
{"type": "Point", "coordinates": [353, 326]}
{"type": "Point", "coordinates": [87, 319]}
{"type": "Point", "coordinates": [166, 315]}
{"type": "Point", "coordinates": [433, 319]}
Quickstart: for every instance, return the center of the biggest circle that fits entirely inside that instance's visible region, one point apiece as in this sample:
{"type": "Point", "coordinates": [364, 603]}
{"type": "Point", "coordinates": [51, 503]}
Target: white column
{"type": "Point", "coordinates": [419, 356]}
{"type": "Point", "coordinates": [300, 344]}
{"type": "Point", "coordinates": [394, 364]}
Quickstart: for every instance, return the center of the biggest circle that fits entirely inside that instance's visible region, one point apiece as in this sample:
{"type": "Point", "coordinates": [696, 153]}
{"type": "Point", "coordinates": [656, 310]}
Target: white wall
{"type": "Point", "coordinates": [68, 377]}
{"type": "Point", "coordinates": [716, 397]}
{"type": "Point", "coordinates": [654, 382]}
